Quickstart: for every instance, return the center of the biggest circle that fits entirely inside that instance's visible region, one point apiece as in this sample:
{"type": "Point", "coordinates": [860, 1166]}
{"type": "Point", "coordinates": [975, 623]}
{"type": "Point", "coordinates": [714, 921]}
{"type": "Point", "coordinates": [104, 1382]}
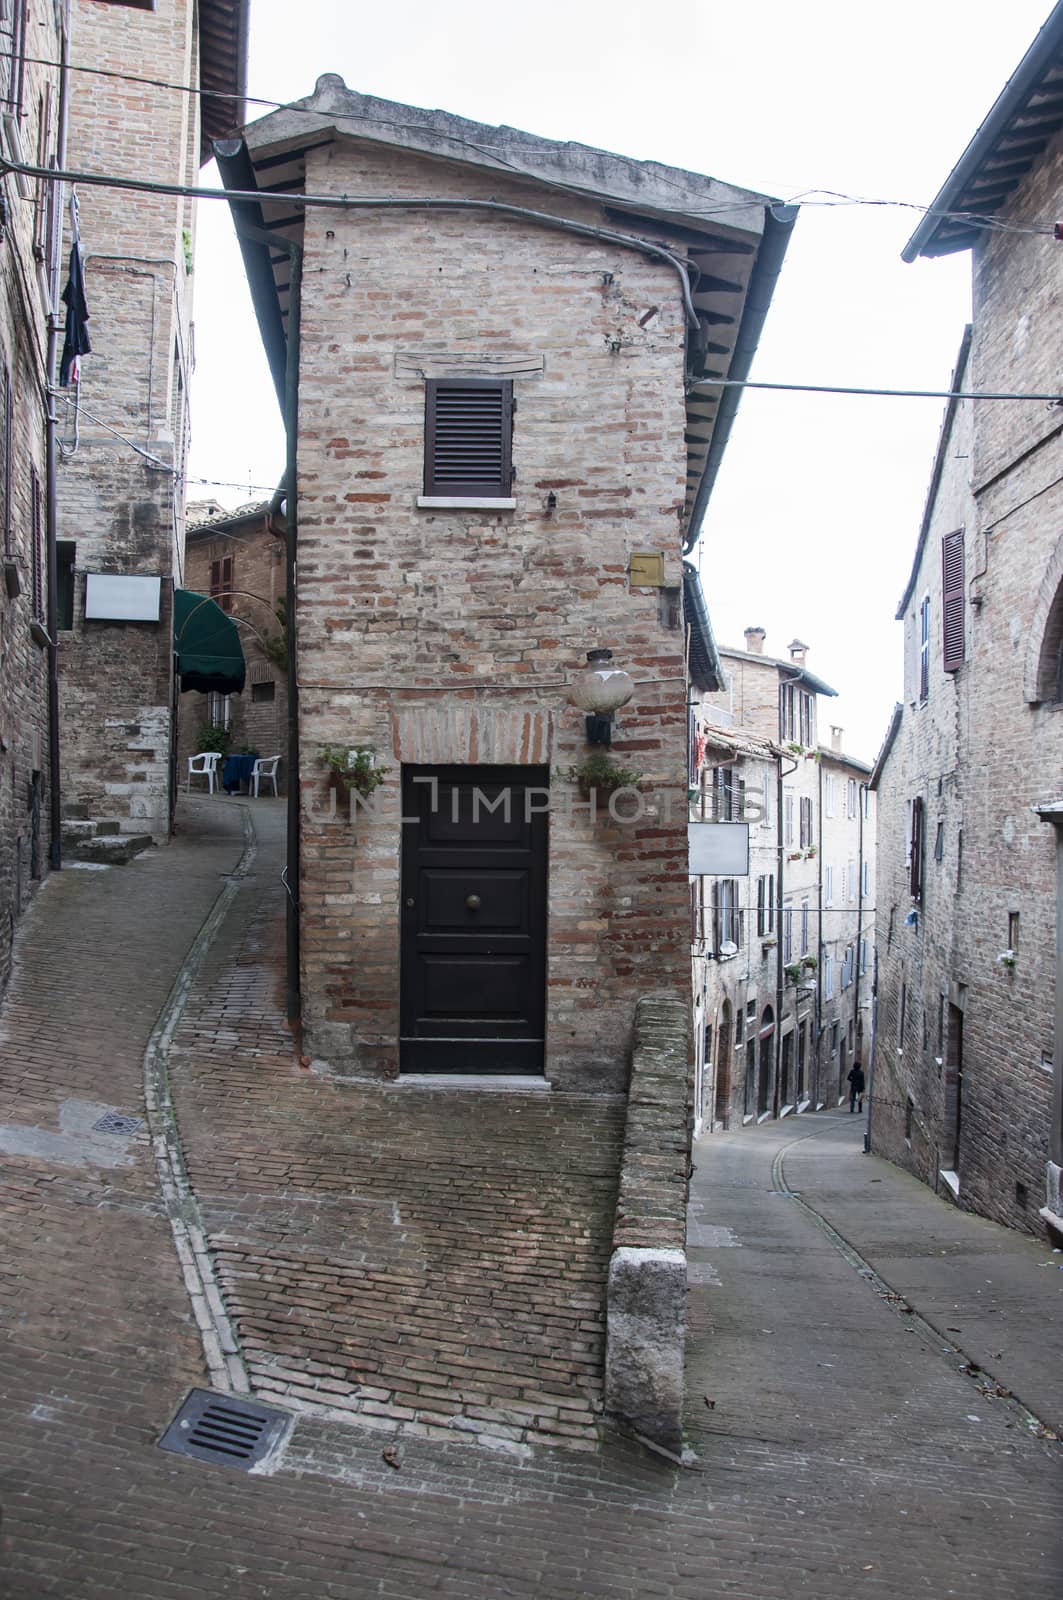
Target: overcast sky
{"type": "Point", "coordinates": [813, 522]}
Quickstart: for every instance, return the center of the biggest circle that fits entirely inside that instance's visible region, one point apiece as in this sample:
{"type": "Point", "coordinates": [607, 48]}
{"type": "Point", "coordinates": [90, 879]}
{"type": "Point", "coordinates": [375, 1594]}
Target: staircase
{"type": "Point", "coordinates": [99, 839]}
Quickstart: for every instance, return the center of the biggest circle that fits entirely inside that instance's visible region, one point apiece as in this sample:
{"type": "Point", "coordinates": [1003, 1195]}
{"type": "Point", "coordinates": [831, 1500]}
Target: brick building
{"type": "Point", "coordinates": [782, 957]}
{"type": "Point", "coordinates": [498, 466]}
{"type": "Point", "coordinates": [969, 1033]}
{"type": "Point", "coordinates": [29, 286]}
{"type": "Point", "coordinates": [238, 558]}
{"type": "Point", "coordinates": [124, 427]}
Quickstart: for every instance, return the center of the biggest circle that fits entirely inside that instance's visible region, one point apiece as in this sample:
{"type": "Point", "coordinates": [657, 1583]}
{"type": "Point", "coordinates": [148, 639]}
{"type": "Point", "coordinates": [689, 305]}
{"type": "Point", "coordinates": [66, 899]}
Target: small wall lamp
{"type": "Point", "coordinates": [600, 690]}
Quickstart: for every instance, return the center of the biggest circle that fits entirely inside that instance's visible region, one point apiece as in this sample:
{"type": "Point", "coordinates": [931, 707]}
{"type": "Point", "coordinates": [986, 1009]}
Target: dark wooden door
{"type": "Point", "coordinates": [473, 984]}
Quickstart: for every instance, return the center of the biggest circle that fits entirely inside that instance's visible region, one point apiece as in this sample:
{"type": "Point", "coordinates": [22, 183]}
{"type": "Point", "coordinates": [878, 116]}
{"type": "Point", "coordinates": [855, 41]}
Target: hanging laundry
{"type": "Point", "coordinates": [76, 339]}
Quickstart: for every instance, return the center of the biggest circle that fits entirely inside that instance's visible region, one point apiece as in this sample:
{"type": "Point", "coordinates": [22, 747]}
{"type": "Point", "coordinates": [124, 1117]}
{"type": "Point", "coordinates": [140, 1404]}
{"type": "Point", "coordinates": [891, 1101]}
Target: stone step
{"type": "Point", "coordinates": [108, 825]}
{"type": "Point", "coordinates": [112, 849]}
{"type": "Point", "coordinates": [76, 829]}
{"type": "Point", "coordinates": [75, 810]}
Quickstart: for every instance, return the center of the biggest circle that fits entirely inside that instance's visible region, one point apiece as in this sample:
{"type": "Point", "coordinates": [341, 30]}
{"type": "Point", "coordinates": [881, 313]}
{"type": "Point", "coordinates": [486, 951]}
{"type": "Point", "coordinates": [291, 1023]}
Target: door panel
{"type": "Point", "coordinates": [473, 984]}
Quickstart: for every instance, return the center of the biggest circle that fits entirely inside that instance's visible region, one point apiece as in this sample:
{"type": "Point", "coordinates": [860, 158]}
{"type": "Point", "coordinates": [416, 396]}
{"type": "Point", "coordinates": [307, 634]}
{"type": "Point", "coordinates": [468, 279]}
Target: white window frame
{"type": "Point", "coordinates": [828, 885]}
{"type": "Point", "coordinates": [828, 793]}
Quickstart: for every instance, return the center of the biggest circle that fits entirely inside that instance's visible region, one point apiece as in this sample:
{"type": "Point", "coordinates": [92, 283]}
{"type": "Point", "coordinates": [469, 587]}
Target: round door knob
{"type": "Point", "coordinates": [473, 902]}
{"type": "Point", "coordinates": [410, 901]}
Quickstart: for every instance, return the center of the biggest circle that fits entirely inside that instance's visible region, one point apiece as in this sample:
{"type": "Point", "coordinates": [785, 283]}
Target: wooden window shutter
{"type": "Point", "coordinates": [952, 600]}
{"type": "Point", "coordinates": [693, 910]}
{"type": "Point", "coordinates": [468, 438]}
{"type": "Point", "coordinates": [716, 933]}
{"type": "Point", "coordinates": [916, 870]}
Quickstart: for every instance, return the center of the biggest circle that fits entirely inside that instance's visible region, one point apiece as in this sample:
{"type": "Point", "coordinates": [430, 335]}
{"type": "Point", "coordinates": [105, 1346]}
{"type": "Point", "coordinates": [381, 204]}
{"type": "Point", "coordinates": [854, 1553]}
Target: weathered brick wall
{"type": "Point", "coordinates": [983, 755]}
{"type": "Point", "coordinates": [725, 990]}
{"type": "Point", "coordinates": [259, 716]}
{"type": "Point", "coordinates": [439, 637]}
{"type": "Point", "coordinates": [24, 303]}
{"type": "Point", "coordinates": [123, 513]}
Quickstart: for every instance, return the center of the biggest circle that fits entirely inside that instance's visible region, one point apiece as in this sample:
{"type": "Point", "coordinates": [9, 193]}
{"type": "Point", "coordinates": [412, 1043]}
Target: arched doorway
{"type": "Point", "coordinates": [767, 1061]}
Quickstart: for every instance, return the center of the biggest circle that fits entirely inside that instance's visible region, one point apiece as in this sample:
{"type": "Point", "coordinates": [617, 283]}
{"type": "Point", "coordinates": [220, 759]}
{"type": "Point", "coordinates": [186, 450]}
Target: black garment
{"type": "Point", "coordinates": [856, 1087]}
{"type": "Point", "coordinates": [76, 340]}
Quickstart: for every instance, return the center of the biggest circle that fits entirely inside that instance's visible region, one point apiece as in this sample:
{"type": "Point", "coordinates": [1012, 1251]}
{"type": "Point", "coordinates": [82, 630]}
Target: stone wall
{"type": "Point", "coordinates": [124, 513]}
{"type": "Point", "coordinates": [982, 751]}
{"type": "Point", "coordinates": [646, 1309]}
{"type": "Point", "coordinates": [415, 621]}
{"type": "Point", "coordinates": [25, 778]}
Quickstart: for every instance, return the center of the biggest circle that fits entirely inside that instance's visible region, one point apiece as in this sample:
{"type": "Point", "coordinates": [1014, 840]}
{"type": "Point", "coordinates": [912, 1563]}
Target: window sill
{"type": "Point", "coordinates": [951, 1179]}
{"type": "Point", "coordinates": [464, 502]}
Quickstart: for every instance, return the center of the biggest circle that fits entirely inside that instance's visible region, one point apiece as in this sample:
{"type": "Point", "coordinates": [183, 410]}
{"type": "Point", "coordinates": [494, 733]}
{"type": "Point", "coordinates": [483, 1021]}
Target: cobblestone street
{"type": "Point", "coordinates": [873, 1390]}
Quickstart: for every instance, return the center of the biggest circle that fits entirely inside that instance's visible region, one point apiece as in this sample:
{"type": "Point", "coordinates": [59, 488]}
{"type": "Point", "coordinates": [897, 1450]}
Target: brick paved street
{"type": "Point", "coordinates": [845, 1452]}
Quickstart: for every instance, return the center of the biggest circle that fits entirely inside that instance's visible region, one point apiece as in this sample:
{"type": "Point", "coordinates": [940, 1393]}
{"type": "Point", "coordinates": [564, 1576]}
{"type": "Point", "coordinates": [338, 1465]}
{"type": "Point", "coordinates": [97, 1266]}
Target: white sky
{"type": "Point", "coordinates": [812, 526]}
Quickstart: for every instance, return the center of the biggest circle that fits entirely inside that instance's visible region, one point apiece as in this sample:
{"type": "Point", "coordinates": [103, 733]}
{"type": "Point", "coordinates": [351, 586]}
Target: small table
{"type": "Point", "coordinates": [235, 771]}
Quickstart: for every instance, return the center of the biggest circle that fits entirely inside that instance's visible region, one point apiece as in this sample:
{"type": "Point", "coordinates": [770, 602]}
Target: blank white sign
{"type": "Point", "coordinates": [110, 597]}
{"type": "Point", "coordinates": [719, 849]}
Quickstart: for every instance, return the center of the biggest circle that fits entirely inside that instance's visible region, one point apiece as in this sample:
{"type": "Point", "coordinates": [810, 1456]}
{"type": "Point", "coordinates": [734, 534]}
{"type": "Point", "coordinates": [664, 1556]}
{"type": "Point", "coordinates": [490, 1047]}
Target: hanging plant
{"type": "Point", "coordinates": [352, 769]}
{"type": "Point", "coordinates": [600, 774]}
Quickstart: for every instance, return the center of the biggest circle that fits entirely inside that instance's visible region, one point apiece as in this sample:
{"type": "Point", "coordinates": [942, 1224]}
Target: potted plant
{"type": "Point", "coordinates": [352, 769]}
{"type": "Point", "coordinates": [792, 971]}
{"type": "Point", "coordinates": [809, 963]}
{"type": "Point", "coordinates": [811, 851]}
{"type": "Point", "coordinates": [1006, 959]}
{"type": "Point", "coordinates": [600, 774]}
{"type": "Point", "coordinates": [213, 737]}
{"type": "Point", "coordinates": [795, 855]}
{"type": "Point", "coordinates": [769, 943]}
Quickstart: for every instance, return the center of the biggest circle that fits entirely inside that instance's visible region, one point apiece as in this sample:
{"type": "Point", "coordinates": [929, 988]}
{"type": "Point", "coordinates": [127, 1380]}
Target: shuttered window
{"type": "Point", "coordinates": [468, 438]}
{"type": "Point", "coordinates": [915, 865]}
{"type": "Point", "coordinates": [952, 606]}
{"type": "Point", "coordinates": [221, 582]}
{"type": "Point", "coordinates": [36, 551]}
{"type": "Point", "coordinates": [924, 648]}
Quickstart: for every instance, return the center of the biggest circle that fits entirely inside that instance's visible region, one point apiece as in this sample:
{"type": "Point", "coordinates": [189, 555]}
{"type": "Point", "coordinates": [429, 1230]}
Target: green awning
{"type": "Point", "coordinates": [210, 657]}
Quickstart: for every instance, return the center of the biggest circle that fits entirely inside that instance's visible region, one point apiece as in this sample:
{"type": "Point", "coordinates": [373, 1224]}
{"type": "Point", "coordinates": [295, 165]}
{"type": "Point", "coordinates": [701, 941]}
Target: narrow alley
{"type": "Point", "coordinates": [838, 1445]}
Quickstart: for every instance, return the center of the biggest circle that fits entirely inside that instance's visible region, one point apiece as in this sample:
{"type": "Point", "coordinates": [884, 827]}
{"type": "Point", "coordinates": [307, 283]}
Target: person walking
{"type": "Point", "coordinates": [856, 1087]}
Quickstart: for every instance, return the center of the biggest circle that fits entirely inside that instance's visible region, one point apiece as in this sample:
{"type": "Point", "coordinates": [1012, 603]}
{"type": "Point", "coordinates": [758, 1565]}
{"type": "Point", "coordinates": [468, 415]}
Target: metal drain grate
{"type": "Point", "coordinates": [232, 1433]}
{"type": "Point", "coordinates": [117, 1122]}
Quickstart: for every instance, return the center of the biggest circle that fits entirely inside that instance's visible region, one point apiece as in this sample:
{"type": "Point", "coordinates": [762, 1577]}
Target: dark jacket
{"type": "Point", "coordinates": [856, 1078]}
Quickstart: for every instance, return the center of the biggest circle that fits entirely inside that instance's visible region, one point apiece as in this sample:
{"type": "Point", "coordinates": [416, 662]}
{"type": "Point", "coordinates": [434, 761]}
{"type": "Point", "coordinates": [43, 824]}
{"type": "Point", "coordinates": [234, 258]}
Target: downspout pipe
{"type": "Point", "coordinates": [51, 506]}
{"type": "Point", "coordinates": [780, 963]}
{"type": "Point", "coordinates": [819, 938]}
{"type": "Point", "coordinates": [291, 484]}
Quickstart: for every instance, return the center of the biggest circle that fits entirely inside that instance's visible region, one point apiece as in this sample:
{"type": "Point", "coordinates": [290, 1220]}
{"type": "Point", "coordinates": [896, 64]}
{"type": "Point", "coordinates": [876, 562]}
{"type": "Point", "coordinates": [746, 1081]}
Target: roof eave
{"type": "Point", "coordinates": [939, 466]}
{"type": "Point", "coordinates": [887, 746]}
{"type": "Point", "coordinates": [1038, 58]}
{"type": "Point", "coordinates": [223, 26]}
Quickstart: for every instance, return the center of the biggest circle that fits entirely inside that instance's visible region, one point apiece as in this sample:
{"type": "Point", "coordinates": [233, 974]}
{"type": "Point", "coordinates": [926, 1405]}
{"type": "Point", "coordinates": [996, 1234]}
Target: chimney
{"type": "Point", "coordinates": [836, 737]}
{"type": "Point", "coordinates": [798, 652]}
{"type": "Point", "coordinates": [755, 641]}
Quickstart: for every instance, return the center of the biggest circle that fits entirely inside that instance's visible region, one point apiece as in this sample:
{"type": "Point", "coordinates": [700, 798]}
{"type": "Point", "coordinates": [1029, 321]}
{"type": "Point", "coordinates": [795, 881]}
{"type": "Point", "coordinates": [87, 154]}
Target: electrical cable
{"type": "Point", "coordinates": [833, 197]}
{"type": "Point", "coordinates": [838, 388]}
{"type": "Point", "coordinates": [154, 461]}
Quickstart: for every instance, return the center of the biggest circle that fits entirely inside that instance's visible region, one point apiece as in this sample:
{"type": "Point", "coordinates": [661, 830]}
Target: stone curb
{"type": "Point", "coordinates": [221, 1348]}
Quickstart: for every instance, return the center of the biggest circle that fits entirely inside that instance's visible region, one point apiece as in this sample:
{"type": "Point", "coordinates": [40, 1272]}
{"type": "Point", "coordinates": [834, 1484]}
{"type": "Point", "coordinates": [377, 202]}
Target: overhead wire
{"type": "Point", "coordinates": [833, 197]}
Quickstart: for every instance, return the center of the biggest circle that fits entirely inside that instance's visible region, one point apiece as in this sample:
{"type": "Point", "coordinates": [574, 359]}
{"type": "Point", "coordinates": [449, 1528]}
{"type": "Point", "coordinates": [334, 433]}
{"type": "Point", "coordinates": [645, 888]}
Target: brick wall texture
{"type": "Point", "coordinates": [25, 299]}
{"type": "Point", "coordinates": [761, 1048]}
{"type": "Point", "coordinates": [445, 636]}
{"type": "Point", "coordinates": [981, 751]}
{"type": "Point", "coordinates": [124, 513]}
{"type": "Point", "coordinates": [259, 716]}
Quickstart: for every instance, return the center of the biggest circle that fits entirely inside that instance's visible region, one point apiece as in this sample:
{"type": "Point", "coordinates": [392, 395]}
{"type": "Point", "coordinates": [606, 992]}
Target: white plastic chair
{"type": "Point", "coordinates": [264, 767]}
{"type": "Point", "coordinates": [204, 765]}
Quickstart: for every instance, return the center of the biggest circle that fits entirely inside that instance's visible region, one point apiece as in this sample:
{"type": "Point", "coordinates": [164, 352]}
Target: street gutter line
{"type": "Point", "coordinates": [221, 1348]}
{"type": "Point", "coordinates": [989, 1387]}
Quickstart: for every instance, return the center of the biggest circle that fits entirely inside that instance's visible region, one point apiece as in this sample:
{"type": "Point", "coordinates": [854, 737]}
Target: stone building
{"type": "Point", "coordinates": [124, 426]}
{"type": "Point", "coordinates": [782, 957]}
{"type": "Point", "coordinates": [238, 558]}
{"type": "Point", "coordinates": [969, 1033]}
{"type": "Point", "coordinates": [30, 34]}
{"type": "Point", "coordinates": [499, 462]}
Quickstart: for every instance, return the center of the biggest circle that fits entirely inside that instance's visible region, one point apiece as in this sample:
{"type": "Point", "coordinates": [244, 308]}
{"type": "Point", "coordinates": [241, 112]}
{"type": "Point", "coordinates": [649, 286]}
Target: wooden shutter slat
{"type": "Point", "coordinates": [952, 601]}
{"type": "Point", "coordinates": [468, 430]}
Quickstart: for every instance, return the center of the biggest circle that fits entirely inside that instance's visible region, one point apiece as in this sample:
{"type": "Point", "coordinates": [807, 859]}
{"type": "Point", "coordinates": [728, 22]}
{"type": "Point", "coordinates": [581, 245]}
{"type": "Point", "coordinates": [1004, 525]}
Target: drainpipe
{"type": "Point", "coordinates": [51, 451]}
{"type": "Point", "coordinates": [819, 938]}
{"type": "Point", "coordinates": [291, 421]}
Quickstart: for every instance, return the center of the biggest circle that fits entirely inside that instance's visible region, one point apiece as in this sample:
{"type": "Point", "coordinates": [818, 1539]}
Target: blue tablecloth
{"type": "Point", "coordinates": [235, 771]}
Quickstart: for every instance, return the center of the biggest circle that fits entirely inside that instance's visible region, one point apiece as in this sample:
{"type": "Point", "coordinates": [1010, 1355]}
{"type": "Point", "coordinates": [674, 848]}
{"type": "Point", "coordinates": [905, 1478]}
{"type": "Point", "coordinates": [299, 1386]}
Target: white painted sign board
{"type": "Point", "coordinates": [718, 849]}
{"type": "Point", "coordinates": [113, 597]}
